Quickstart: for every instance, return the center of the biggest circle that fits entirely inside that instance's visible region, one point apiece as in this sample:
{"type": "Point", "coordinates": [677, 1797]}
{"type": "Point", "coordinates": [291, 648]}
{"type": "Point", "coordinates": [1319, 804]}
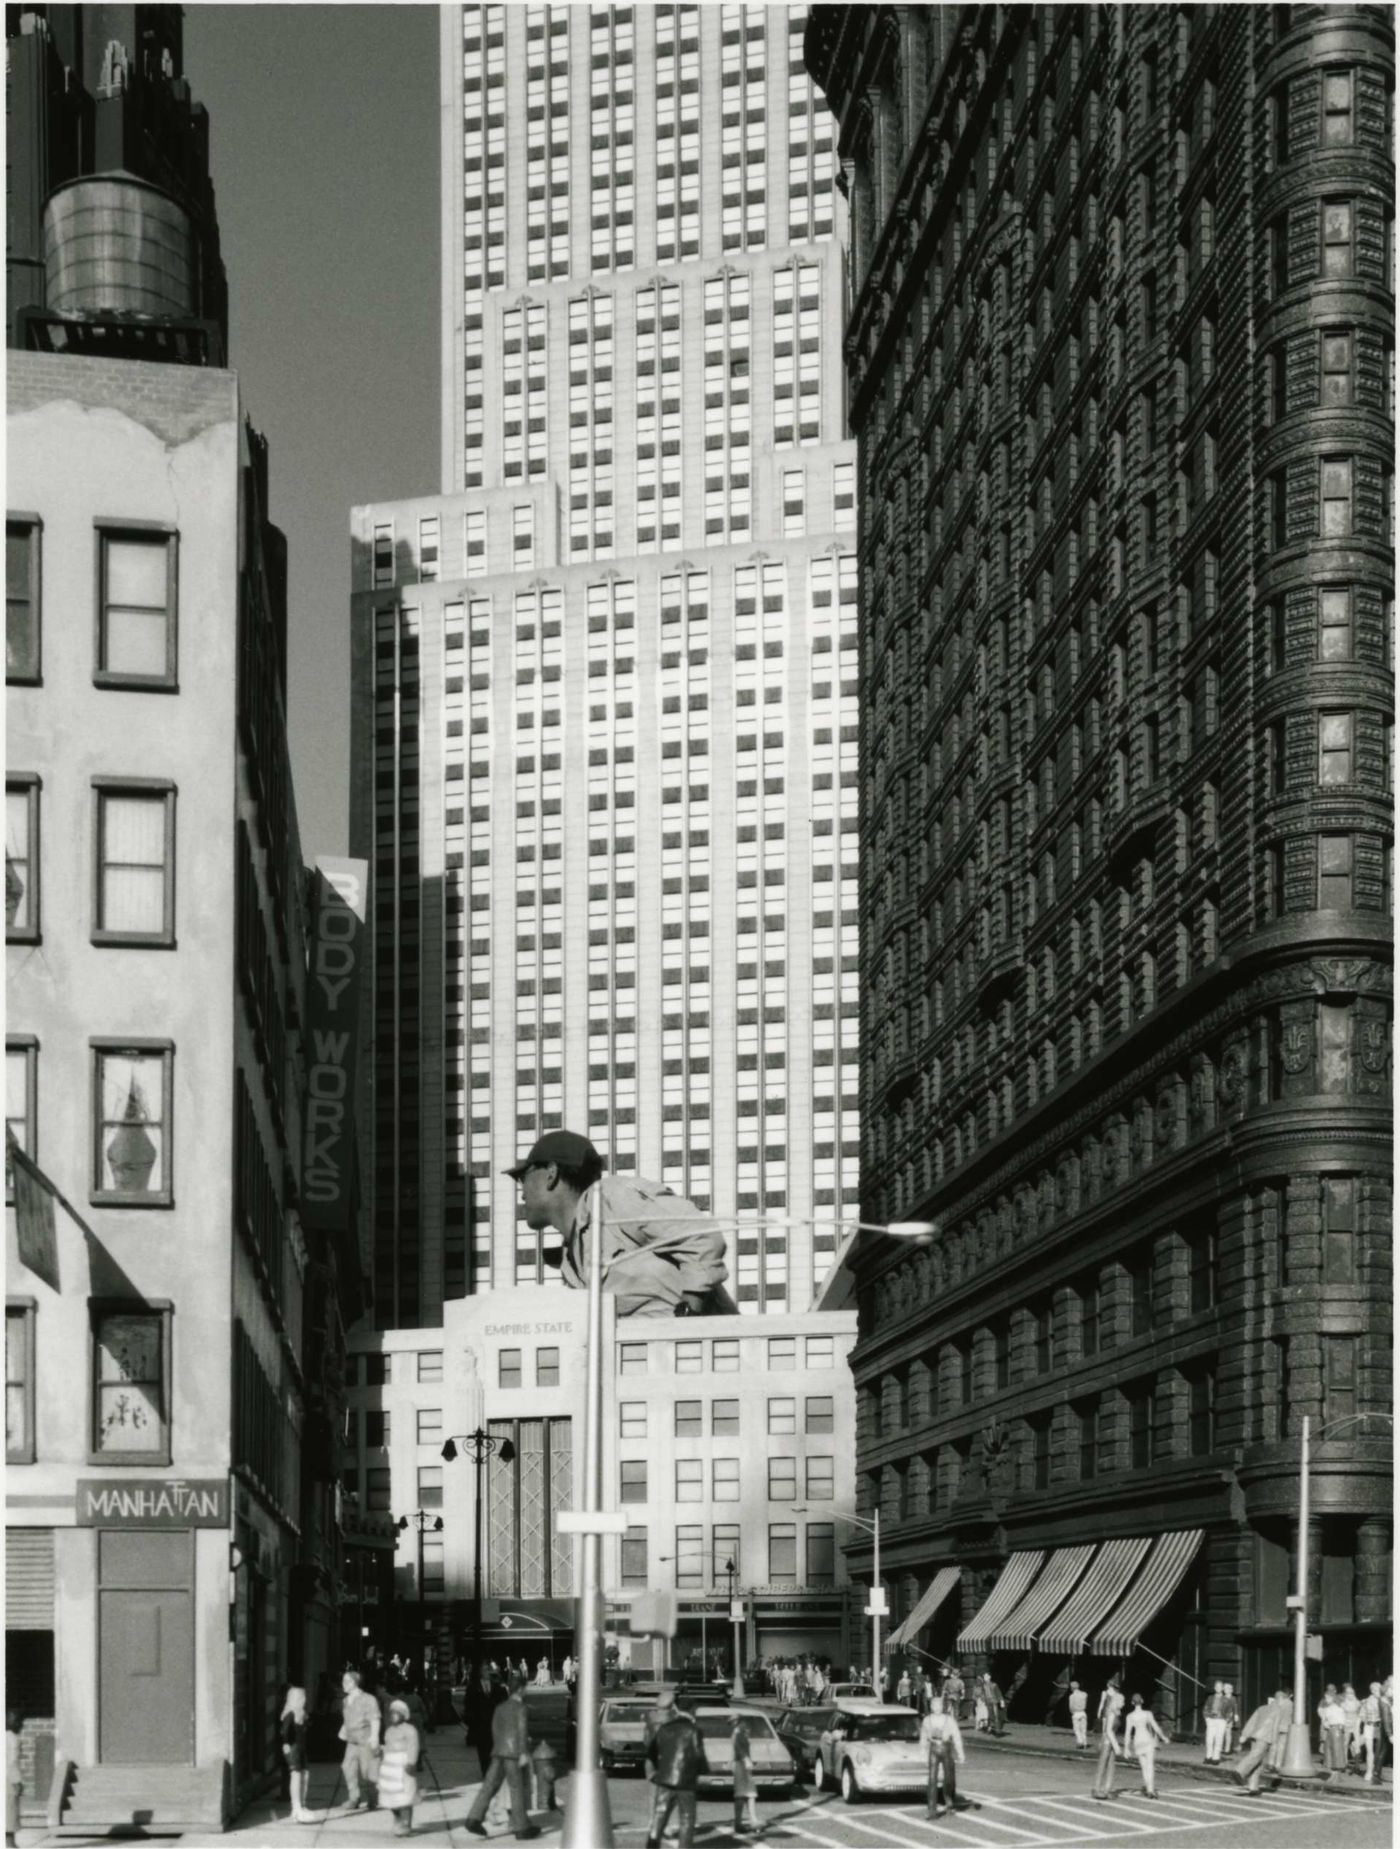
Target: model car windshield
{"type": "Point", "coordinates": [721, 1726]}
{"type": "Point", "coordinates": [879, 1726]}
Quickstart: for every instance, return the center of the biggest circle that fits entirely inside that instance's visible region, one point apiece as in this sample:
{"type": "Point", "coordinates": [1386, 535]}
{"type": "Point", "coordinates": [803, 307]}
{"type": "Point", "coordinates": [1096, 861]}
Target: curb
{"type": "Point", "coordinates": [1202, 1774]}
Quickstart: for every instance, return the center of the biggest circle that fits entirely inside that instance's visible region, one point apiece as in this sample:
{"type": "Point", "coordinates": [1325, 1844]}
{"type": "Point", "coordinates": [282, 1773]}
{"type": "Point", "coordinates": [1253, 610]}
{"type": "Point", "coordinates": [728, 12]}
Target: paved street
{"type": "Point", "coordinates": [1027, 1802]}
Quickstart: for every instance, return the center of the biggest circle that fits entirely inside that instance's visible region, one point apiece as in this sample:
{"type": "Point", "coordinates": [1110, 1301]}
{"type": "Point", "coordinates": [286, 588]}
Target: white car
{"type": "Point", "coordinates": [773, 1770]}
{"type": "Point", "coordinates": [622, 1733]}
{"type": "Point", "coordinates": [871, 1746]}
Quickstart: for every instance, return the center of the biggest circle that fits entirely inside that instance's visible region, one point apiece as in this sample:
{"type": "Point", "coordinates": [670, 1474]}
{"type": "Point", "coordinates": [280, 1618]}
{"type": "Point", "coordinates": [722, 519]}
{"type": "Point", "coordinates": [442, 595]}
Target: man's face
{"type": "Point", "coordinates": [537, 1187]}
{"type": "Point", "coordinates": [348, 1682]}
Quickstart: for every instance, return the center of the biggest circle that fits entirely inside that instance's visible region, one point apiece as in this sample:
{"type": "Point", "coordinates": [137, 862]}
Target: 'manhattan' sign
{"type": "Point", "coordinates": [152, 1502]}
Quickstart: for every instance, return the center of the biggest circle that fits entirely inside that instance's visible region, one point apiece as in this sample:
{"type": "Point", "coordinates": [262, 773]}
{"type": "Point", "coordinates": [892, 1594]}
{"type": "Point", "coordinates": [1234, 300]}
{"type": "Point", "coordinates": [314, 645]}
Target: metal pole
{"type": "Point", "coordinates": [588, 1821]}
{"type": "Point", "coordinates": [738, 1685]}
{"type": "Point", "coordinates": [1297, 1758]}
{"type": "Point", "coordinates": [876, 1593]}
{"type": "Point", "coordinates": [478, 1460]}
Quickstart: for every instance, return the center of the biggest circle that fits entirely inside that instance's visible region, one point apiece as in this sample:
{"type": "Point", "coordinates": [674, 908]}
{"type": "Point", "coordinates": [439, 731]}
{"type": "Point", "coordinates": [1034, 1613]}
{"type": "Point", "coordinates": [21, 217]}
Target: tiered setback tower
{"type": "Point", "coordinates": [1121, 359]}
{"type": "Point", "coordinates": [604, 749]}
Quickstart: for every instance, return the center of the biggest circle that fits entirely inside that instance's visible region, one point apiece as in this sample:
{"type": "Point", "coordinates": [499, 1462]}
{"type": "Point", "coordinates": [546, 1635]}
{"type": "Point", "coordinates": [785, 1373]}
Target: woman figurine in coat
{"type": "Point", "coordinates": [293, 1731]}
{"type": "Point", "coordinates": [398, 1767]}
{"type": "Point", "coordinates": [745, 1790]}
{"type": "Point", "coordinates": [1141, 1738]}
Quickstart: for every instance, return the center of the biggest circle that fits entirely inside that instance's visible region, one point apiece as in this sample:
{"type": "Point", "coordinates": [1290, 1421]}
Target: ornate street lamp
{"type": "Point", "coordinates": [482, 1445]}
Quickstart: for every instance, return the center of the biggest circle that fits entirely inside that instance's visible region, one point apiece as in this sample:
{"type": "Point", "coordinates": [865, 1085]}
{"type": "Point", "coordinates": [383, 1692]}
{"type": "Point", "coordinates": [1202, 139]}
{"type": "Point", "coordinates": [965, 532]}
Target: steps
{"type": "Point", "coordinates": [154, 1797]}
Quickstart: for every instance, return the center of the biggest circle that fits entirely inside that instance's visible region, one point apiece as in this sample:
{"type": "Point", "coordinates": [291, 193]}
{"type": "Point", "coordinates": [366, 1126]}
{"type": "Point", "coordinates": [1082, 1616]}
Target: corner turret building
{"type": "Point", "coordinates": [1121, 361]}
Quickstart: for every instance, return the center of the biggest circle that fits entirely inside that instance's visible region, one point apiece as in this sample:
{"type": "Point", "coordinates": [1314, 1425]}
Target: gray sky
{"type": "Point", "coordinates": [324, 148]}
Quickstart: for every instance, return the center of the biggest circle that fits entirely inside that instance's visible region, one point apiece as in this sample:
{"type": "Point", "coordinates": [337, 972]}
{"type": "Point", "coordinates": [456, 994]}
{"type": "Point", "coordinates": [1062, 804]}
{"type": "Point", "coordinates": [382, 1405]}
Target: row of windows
{"type": "Point", "coordinates": [818, 1475]}
{"type": "Point", "coordinates": [720, 1564]}
{"type": "Point", "coordinates": [781, 1353]}
{"type": "Point", "coordinates": [135, 604]}
{"type": "Point", "coordinates": [689, 1417]}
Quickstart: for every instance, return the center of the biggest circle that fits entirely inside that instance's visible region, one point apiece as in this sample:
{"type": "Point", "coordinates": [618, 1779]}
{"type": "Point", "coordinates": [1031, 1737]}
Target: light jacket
{"type": "Point", "coordinates": [942, 1730]}
{"type": "Point", "coordinates": [510, 1730]}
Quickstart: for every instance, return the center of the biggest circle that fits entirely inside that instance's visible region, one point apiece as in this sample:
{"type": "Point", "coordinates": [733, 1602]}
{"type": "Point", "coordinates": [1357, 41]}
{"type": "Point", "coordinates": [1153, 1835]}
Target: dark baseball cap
{"type": "Point", "coordinates": [565, 1147]}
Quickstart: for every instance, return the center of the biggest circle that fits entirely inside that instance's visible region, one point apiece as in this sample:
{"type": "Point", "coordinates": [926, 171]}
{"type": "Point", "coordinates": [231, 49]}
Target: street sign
{"type": "Point", "coordinates": [736, 1610]}
{"type": "Point", "coordinates": [879, 1605]}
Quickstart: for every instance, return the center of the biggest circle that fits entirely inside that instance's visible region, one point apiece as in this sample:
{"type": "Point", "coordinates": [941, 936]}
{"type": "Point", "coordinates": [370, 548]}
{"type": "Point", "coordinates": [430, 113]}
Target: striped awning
{"type": "Point", "coordinates": [937, 1590]}
{"type": "Point", "coordinates": [1019, 1629]}
{"type": "Point", "coordinates": [1096, 1595]}
{"type": "Point", "coordinates": [1172, 1554]}
{"type": "Point", "coordinates": [1003, 1598]}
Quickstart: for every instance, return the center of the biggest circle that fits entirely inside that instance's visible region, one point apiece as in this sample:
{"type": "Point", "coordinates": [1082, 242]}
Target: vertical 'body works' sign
{"type": "Point", "coordinates": [333, 1015]}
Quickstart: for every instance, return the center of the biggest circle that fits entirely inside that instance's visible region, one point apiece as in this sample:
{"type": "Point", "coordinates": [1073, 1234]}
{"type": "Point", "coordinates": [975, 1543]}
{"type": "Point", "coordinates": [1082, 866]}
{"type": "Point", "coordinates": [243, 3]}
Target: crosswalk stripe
{"type": "Point", "coordinates": [1082, 1808]}
{"type": "Point", "coordinates": [1074, 1822]}
{"type": "Point", "coordinates": [887, 1837]}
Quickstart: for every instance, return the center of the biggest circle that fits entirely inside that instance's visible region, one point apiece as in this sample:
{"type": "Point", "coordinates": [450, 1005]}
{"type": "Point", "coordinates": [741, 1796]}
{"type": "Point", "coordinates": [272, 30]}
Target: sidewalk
{"type": "Point", "coordinates": [1181, 1757]}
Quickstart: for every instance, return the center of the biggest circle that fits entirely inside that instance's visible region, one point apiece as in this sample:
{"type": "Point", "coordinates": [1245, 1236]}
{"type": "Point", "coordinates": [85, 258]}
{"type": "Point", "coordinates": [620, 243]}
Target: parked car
{"type": "Point", "coordinates": [622, 1732]}
{"type": "Point", "coordinates": [801, 1730]}
{"type": "Point", "coordinates": [843, 1691]}
{"type": "Point", "coordinates": [773, 1768]}
{"type": "Point", "coordinates": [870, 1746]}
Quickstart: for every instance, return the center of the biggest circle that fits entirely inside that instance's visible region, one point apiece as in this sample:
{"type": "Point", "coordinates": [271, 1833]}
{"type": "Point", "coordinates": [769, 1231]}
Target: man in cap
{"type": "Point", "coordinates": [660, 1261]}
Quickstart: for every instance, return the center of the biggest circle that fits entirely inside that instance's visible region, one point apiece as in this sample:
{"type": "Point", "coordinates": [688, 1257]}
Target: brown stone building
{"type": "Point", "coordinates": [1121, 352]}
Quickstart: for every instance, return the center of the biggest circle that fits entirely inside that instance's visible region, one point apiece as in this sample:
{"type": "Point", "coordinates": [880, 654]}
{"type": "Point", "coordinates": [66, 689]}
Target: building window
{"type": "Point", "coordinates": [22, 625]}
{"type": "Point", "coordinates": [132, 1089]}
{"type": "Point", "coordinates": [1336, 496]}
{"type": "Point", "coordinates": [632, 1418]}
{"type": "Point", "coordinates": [1041, 1331]}
{"type": "Point", "coordinates": [1202, 1409]}
{"type": "Point", "coordinates": [1339, 1230]}
{"type": "Point", "coordinates": [724, 1419]}
{"type": "Point", "coordinates": [19, 1383]}
{"type": "Point", "coordinates": [1040, 1453]}
{"type": "Point", "coordinates": [1205, 1269]}
{"type": "Point", "coordinates": [130, 1375]}
{"type": "Point", "coordinates": [633, 1486]}
{"type": "Point", "coordinates": [1335, 734]}
{"type": "Point", "coordinates": [782, 1479]}
{"type": "Point", "coordinates": [782, 1417]}
{"type": "Point", "coordinates": [134, 863]}
{"type": "Point", "coordinates": [690, 1556]}
{"type": "Point", "coordinates": [1140, 1446]}
{"type": "Point", "coordinates": [1087, 1415]}
{"type": "Point", "coordinates": [377, 1422]}
{"type": "Point", "coordinates": [1142, 1276]}
{"type": "Point", "coordinates": [821, 1553]}
{"type": "Point", "coordinates": [821, 1412]}
{"type": "Point", "coordinates": [724, 1357]}
{"type": "Point", "coordinates": [1338, 1377]}
{"type": "Point", "coordinates": [821, 1351]}
{"type": "Point", "coordinates": [782, 1553]}
{"type": "Point", "coordinates": [632, 1358]}
{"type": "Point", "coordinates": [690, 1358]}
{"type": "Point", "coordinates": [1334, 623]}
{"type": "Point", "coordinates": [821, 1479]}
{"type": "Point", "coordinates": [430, 1425]}
{"type": "Point", "coordinates": [782, 1353]}
{"type": "Point", "coordinates": [1090, 1313]}
{"type": "Point", "coordinates": [430, 1486]}
{"type": "Point", "coordinates": [725, 1557]}
{"type": "Point", "coordinates": [725, 1480]}
{"type": "Point", "coordinates": [1336, 366]}
{"type": "Point", "coordinates": [21, 1102]}
{"type": "Point", "coordinates": [508, 1367]}
{"type": "Point", "coordinates": [690, 1421]}
{"type": "Point", "coordinates": [434, 1566]}
{"type": "Point", "coordinates": [1336, 237]}
{"type": "Point", "coordinates": [377, 1484]}
{"type": "Point", "coordinates": [22, 859]}
{"type": "Point", "coordinates": [136, 638]}
{"type": "Point", "coordinates": [1334, 873]}
{"type": "Point", "coordinates": [1001, 1352]}
{"type": "Point", "coordinates": [378, 1372]}
{"type": "Point", "coordinates": [634, 1557]}
{"type": "Point", "coordinates": [546, 1367]}
{"type": "Point", "coordinates": [690, 1479]}
{"type": "Point", "coordinates": [1337, 109]}
{"type": "Point", "coordinates": [430, 1366]}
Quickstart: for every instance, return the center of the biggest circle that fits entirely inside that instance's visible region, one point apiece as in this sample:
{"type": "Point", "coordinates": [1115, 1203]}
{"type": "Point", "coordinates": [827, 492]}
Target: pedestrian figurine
{"type": "Point", "coordinates": [1141, 1734]}
{"type": "Point", "coordinates": [1370, 1732]}
{"type": "Point", "coordinates": [14, 1779]}
{"type": "Point", "coordinates": [480, 1700]}
{"type": "Point", "coordinates": [359, 1729]}
{"type": "Point", "coordinates": [510, 1759]}
{"type": "Point", "coordinates": [1214, 1713]}
{"type": "Point", "coordinates": [1332, 1722]}
{"type": "Point", "coordinates": [902, 1689]}
{"type": "Point", "coordinates": [398, 1767]}
{"type": "Point", "coordinates": [941, 1738]}
{"type": "Point", "coordinates": [996, 1707]}
{"type": "Point", "coordinates": [1079, 1716]}
{"type": "Point", "coordinates": [1110, 1707]}
{"type": "Point", "coordinates": [745, 1790]}
{"type": "Point", "coordinates": [293, 1731]}
{"type": "Point", "coordinates": [1262, 1731]}
{"type": "Point", "coordinates": [1232, 1718]}
{"type": "Point", "coordinates": [677, 1758]}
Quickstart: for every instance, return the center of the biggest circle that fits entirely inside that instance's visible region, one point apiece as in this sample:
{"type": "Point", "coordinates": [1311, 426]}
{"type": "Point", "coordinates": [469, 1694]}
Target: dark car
{"type": "Point", "coordinates": [801, 1730]}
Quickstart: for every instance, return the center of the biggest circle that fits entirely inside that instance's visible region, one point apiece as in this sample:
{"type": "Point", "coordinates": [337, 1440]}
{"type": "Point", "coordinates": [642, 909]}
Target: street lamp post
{"type": "Point", "coordinates": [481, 1445]}
{"type": "Point", "coordinates": [736, 1618]}
{"type": "Point", "coordinates": [421, 1520]}
{"type": "Point", "coordinates": [877, 1590]}
{"type": "Point", "coordinates": [1297, 1758]}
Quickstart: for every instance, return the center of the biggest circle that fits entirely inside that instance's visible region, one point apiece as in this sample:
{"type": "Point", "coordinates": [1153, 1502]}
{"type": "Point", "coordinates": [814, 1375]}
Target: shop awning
{"type": "Point", "coordinates": [1096, 1595]}
{"type": "Point", "coordinates": [1019, 1629]}
{"type": "Point", "coordinates": [937, 1590]}
{"type": "Point", "coordinates": [1003, 1598]}
{"type": "Point", "coordinates": [1172, 1554]}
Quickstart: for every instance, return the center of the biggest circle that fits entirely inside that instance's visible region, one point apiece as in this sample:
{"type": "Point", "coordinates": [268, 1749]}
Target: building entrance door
{"type": "Point", "coordinates": [145, 1647]}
